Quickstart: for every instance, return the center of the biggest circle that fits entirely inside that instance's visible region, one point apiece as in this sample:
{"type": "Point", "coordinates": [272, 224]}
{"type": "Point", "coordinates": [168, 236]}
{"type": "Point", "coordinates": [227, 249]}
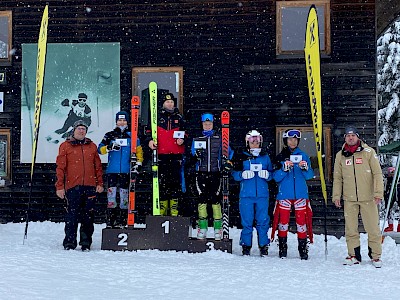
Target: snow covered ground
{"type": "Point", "coordinates": [41, 269]}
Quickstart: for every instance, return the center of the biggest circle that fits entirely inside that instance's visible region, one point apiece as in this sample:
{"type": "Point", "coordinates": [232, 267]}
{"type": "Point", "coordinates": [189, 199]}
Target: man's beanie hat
{"type": "Point", "coordinates": [121, 115]}
{"type": "Point", "coordinates": [82, 95]}
{"type": "Point", "coordinates": [351, 130]}
{"type": "Point", "coordinates": [80, 123]}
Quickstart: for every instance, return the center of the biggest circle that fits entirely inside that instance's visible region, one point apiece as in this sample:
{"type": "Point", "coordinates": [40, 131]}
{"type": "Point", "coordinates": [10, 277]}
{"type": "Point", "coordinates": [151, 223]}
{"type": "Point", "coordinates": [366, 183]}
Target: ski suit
{"type": "Point", "coordinates": [293, 190]}
{"type": "Point", "coordinates": [118, 167]}
{"type": "Point", "coordinates": [208, 176]}
{"type": "Point", "coordinates": [253, 197]}
{"type": "Point", "coordinates": [170, 160]}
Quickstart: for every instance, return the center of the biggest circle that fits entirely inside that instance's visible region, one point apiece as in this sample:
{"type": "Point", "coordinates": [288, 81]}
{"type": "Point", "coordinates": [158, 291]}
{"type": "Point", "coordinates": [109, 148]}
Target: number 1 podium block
{"type": "Point", "coordinates": [162, 233]}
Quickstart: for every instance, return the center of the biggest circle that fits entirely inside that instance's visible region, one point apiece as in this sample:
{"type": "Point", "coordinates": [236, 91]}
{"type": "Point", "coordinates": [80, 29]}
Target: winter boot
{"type": "Point", "coordinates": [377, 263]}
{"type": "Point", "coordinates": [202, 230]}
{"type": "Point", "coordinates": [282, 247]}
{"type": "Point", "coordinates": [390, 228]}
{"type": "Point", "coordinates": [173, 207]}
{"type": "Point", "coordinates": [303, 249]}
{"type": "Point", "coordinates": [246, 250]}
{"type": "Point", "coordinates": [263, 250]}
{"type": "Point", "coordinates": [217, 230]}
{"type": "Point", "coordinates": [163, 207]}
{"type": "Point", "coordinates": [357, 253]}
{"type": "Point", "coordinates": [370, 252]}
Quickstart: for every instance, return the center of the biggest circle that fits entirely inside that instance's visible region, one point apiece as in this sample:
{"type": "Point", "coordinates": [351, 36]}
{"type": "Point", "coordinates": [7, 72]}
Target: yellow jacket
{"type": "Point", "coordinates": [357, 177]}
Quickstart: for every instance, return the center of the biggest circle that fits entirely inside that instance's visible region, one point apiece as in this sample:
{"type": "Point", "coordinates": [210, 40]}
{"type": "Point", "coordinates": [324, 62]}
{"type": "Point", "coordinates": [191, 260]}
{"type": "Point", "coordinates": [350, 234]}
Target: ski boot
{"type": "Point", "coordinates": [246, 250]}
{"type": "Point", "coordinates": [202, 230]}
{"type": "Point", "coordinates": [303, 249]}
{"type": "Point", "coordinates": [163, 207]}
{"type": "Point", "coordinates": [263, 250]}
{"type": "Point", "coordinates": [217, 230]}
{"type": "Point", "coordinates": [173, 207]}
{"type": "Point", "coordinates": [282, 247]}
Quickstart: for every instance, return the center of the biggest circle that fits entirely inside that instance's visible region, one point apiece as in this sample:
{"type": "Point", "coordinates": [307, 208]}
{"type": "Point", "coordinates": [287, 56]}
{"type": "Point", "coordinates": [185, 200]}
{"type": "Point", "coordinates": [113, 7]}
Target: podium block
{"type": "Point", "coordinates": [162, 233]}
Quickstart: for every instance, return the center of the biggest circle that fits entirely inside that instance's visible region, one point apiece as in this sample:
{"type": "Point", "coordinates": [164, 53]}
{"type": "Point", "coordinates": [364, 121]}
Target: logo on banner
{"type": "Point", "coordinates": [348, 162]}
{"type": "Point", "coordinates": [358, 161]}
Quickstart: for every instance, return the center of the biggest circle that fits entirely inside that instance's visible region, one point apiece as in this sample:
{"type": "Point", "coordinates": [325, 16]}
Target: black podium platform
{"type": "Point", "coordinates": [162, 233]}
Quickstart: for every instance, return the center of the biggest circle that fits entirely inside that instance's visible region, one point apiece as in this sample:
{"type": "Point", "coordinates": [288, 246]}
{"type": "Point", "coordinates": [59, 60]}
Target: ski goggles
{"type": "Point", "coordinates": [254, 139]}
{"type": "Point", "coordinates": [292, 133]}
{"type": "Point", "coordinates": [207, 117]}
{"type": "Point", "coordinates": [81, 99]}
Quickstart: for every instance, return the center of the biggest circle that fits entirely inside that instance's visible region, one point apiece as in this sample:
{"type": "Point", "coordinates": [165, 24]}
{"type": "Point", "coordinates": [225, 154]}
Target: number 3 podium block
{"type": "Point", "coordinates": [162, 233]}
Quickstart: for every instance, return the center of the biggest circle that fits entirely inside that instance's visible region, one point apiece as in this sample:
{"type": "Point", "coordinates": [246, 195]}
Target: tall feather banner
{"type": "Point", "coordinates": [312, 56]}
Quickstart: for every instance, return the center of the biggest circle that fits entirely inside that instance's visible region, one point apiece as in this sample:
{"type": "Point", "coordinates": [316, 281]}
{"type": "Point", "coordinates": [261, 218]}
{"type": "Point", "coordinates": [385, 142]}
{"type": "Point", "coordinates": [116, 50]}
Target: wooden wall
{"type": "Point", "coordinates": [227, 50]}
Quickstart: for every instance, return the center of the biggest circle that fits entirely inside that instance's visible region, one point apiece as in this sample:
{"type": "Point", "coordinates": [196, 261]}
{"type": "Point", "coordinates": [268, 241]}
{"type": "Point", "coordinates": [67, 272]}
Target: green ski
{"type": "Point", "coordinates": [154, 167]}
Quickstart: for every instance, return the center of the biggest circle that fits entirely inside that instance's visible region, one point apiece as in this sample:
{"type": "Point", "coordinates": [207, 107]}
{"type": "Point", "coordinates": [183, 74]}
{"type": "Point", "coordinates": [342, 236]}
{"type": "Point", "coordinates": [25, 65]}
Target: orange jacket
{"type": "Point", "coordinates": [78, 163]}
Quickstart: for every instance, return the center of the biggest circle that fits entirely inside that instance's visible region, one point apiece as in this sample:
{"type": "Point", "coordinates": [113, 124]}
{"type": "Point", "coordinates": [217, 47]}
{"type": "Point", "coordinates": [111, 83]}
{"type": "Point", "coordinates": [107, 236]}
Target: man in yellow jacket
{"type": "Point", "coordinates": [358, 180]}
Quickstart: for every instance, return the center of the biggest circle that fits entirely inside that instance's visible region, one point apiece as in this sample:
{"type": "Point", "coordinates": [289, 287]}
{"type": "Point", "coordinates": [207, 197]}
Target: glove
{"type": "Point", "coordinates": [65, 102]}
{"type": "Point", "coordinates": [113, 146]}
{"type": "Point", "coordinates": [303, 165]}
{"type": "Point", "coordinates": [199, 153]}
{"type": "Point", "coordinates": [227, 166]}
{"type": "Point", "coordinates": [263, 174]}
{"type": "Point", "coordinates": [287, 165]}
{"type": "Point", "coordinates": [247, 174]}
{"type": "Point", "coordinates": [137, 167]}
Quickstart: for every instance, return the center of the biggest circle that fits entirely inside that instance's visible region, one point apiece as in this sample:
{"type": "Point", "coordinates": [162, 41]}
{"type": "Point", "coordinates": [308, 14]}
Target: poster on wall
{"type": "Point", "coordinates": [82, 81]}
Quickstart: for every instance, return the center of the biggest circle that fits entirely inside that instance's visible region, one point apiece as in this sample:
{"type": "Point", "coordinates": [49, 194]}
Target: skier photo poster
{"type": "Point", "coordinates": [82, 81]}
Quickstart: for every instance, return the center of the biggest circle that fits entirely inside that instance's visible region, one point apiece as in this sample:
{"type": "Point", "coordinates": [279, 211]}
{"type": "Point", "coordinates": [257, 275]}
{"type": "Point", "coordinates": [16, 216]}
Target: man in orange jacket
{"type": "Point", "coordinates": [79, 178]}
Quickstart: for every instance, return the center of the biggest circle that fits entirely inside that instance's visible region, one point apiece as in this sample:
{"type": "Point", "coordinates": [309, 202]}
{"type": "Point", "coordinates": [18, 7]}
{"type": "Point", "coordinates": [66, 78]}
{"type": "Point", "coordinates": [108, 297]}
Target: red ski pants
{"type": "Point", "coordinates": [284, 207]}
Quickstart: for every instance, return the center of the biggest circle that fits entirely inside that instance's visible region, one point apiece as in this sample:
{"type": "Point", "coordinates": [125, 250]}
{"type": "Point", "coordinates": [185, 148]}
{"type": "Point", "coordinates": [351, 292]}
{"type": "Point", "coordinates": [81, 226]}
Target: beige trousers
{"type": "Point", "coordinates": [370, 218]}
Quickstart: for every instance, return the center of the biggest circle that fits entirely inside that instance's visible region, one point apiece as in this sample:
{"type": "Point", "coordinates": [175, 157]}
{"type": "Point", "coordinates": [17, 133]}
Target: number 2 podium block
{"type": "Point", "coordinates": [162, 233]}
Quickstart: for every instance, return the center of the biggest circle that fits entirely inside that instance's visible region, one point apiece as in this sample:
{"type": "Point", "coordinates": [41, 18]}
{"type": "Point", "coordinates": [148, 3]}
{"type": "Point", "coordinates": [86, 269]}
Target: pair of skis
{"type": "Point", "coordinates": [135, 107]}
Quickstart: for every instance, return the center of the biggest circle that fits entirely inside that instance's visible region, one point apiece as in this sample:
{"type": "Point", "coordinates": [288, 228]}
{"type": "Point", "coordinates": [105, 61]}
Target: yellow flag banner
{"type": "Point", "coordinates": [312, 57]}
{"type": "Point", "coordinates": [41, 60]}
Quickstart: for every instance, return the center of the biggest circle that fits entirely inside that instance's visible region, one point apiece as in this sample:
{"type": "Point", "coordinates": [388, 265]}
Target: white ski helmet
{"type": "Point", "coordinates": [253, 135]}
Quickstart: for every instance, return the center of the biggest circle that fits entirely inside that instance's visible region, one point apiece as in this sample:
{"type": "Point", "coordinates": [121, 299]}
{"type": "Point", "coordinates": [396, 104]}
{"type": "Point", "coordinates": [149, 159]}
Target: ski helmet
{"type": "Point", "coordinates": [253, 135]}
{"type": "Point", "coordinates": [291, 133]}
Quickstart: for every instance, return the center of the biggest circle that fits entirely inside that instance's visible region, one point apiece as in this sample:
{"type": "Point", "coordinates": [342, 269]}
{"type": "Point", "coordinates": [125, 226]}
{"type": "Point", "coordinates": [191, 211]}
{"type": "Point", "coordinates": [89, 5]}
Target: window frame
{"type": "Point", "coordinates": [136, 71]}
{"type": "Point", "coordinates": [304, 4]}
{"type": "Point", "coordinates": [327, 143]}
{"type": "Point", "coordinates": [6, 61]}
{"type": "Point", "coordinates": [7, 133]}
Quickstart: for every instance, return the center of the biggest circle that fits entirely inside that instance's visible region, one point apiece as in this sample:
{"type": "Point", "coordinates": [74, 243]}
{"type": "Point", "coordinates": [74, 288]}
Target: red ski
{"type": "Point", "coordinates": [225, 175]}
{"type": "Point", "coordinates": [135, 106]}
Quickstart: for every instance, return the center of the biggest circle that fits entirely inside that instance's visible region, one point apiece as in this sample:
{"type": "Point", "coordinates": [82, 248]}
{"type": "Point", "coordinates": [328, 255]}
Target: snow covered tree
{"type": "Point", "coordinates": [388, 85]}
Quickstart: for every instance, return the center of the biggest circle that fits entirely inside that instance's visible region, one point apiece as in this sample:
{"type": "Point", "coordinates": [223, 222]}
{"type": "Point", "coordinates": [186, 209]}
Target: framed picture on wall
{"type": "Point", "coordinates": [5, 38]}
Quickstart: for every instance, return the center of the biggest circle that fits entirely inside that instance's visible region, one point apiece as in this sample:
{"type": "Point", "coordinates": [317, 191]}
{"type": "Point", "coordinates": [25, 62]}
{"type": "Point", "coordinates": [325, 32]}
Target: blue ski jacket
{"type": "Point", "coordinates": [119, 161]}
{"type": "Point", "coordinates": [256, 186]}
{"type": "Point", "coordinates": [292, 184]}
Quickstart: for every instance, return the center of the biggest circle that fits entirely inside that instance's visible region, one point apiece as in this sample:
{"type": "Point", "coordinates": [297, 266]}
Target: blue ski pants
{"type": "Point", "coordinates": [254, 209]}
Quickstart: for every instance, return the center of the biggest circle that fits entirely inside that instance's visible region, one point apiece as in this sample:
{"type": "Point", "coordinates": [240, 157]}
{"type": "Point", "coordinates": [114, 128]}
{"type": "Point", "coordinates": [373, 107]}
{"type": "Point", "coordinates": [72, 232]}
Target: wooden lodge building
{"type": "Point", "coordinates": [242, 56]}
